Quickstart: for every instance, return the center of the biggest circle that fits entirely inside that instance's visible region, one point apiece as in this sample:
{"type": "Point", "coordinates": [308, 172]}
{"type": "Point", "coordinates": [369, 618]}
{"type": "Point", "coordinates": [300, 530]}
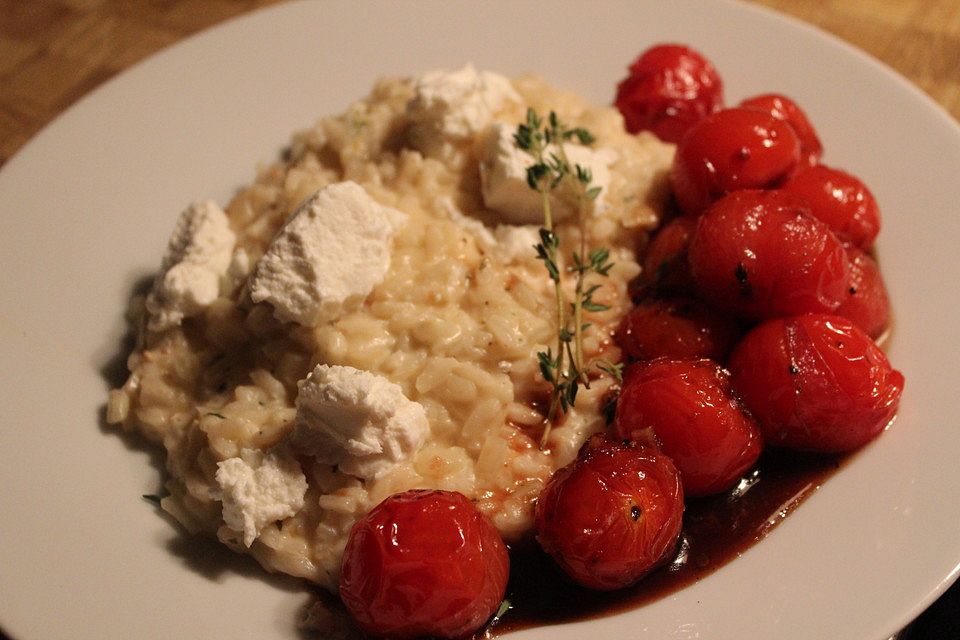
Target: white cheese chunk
{"type": "Point", "coordinates": [516, 243]}
{"type": "Point", "coordinates": [509, 242]}
{"type": "Point", "coordinates": [453, 106]}
{"type": "Point", "coordinates": [503, 177]}
{"type": "Point", "coordinates": [474, 227]}
{"type": "Point", "coordinates": [237, 271]}
{"type": "Point", "coordinates": [198, 255]}
{"type": "Point", "coordinates": [257, 489]}
{"type": "Point", "coordinates": [328, 257]}
{"type": "Point", "coordinates": [357, 420]}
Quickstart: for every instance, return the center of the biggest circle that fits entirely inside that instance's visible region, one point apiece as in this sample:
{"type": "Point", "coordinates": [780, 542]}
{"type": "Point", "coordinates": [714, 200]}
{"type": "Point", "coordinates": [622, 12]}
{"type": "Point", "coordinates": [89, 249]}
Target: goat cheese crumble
{"type": "Point", "coordinates": [198, 255]}
{"type": "Point", "coordinates": [456, 105]}
{"type": "Point", "coordinates": [357, 420]}
{"type": "Point", "coordinates": [258, 488]}
{"type": "Point", "coordinates": [328, 257]}
{"type": "Point", "coordinates": [503, 176]}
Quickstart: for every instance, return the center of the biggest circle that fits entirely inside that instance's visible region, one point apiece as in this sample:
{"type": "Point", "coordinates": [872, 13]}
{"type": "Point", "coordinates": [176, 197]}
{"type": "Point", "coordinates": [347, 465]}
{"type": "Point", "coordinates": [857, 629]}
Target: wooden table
{"type": "Point", "coordinates": [52, 52]}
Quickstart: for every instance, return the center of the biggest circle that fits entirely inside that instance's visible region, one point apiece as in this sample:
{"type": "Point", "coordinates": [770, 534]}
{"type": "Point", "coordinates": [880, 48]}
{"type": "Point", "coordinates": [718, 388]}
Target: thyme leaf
{"type": "Point", "coordinates": [502, 610]}
{"type": "Point", "coordinates": [612, 369]}
{"type": "Point", "coordinates": [565, 369]}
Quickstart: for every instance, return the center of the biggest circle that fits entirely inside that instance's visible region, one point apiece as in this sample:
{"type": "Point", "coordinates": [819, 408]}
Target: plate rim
{"type": "Point", "coordinates": [53, 126]}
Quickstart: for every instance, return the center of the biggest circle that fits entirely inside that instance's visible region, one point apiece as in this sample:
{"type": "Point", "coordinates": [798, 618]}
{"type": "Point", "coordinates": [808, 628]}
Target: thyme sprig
{"type": "Point", "coordinates": [563, 365]}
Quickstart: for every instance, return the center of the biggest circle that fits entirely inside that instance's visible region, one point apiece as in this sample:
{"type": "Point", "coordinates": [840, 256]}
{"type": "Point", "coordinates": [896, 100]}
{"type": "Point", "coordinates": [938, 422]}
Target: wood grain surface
{"type": "Point", "coordinates": [52, 52]}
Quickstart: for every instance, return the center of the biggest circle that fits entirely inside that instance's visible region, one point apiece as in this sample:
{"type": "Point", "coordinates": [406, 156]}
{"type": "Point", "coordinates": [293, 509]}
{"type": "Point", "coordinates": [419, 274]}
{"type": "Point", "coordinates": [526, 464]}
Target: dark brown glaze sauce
{"type": "Point", "coordinates": [715, 531]}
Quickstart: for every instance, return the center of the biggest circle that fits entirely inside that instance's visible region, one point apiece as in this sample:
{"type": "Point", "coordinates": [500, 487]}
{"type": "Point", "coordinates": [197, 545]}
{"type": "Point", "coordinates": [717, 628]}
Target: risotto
{"type": "Point", "coordinates": [456, 323]}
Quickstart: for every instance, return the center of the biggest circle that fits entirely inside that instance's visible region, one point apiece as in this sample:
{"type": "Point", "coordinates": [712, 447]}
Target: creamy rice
{"type": "Point", "coordinates": [456, 323]}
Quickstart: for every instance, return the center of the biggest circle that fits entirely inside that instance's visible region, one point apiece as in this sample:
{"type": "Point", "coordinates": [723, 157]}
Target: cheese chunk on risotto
{"type": "Point", "coordinates": [357, 420]}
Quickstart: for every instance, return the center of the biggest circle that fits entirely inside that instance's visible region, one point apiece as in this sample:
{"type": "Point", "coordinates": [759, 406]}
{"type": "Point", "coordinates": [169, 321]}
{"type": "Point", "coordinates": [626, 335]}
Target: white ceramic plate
{"type": "Point", "coordinates": [86, 208]}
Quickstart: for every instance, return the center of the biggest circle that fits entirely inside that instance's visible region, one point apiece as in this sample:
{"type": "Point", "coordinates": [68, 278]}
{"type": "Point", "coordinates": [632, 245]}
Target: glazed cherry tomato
{"type": "Point", "coordinates": [611, 515]}
{"type": "Point", "coordinates": [675, 328]}
{"type": "Point", "coordinates": [423, 563]}
{"type": "Point", "coordinates": [690, 409]}
{"type": "Point", "coordinates": [867, 304]}
{"type": "Point", "coordinates": [730, 150]}
{"type": "Point", "coordinates": [840, 200]}
{"type": "Point", "coordinates": [815, 382]}
{"type": "Point", "coordinates": [670, 88]}
{"type": "Point", "coordinates": [665, 267]}
{"type": "Point", "coordinates": [760, 255]}
{"type": "Point", "coordinates": [784, 108]}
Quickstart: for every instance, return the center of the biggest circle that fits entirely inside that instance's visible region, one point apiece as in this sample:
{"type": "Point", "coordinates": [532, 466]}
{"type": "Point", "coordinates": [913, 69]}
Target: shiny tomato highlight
{"type": "Point", "coordinates": [840, 200]}
{"type": "Point", "coordinates": [867, 304]}
{"type": "Point", "coordinates": [423, 563]}
{"type": "Point", "coordinates": [782, 107]}
{"type": "Point", "coordinates": [759, 254]}
{"type": "Point", "coordinates": [612, 515]}
{"type": "Point", "coordinates": [670, 88]}
{"type": "Point", "coordinates": [732, 149]}
{"type": "Point", "coordinates": [815, 382]}
{"type": "Point", "coordinates": [689, 409]}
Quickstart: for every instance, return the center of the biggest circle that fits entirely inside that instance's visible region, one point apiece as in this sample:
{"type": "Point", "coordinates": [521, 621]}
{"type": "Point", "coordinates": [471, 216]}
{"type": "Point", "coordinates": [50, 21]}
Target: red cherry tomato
{"type": "Point", "coordinates": [665, 261]}
{"type": "Point", "coordinates": [786, 109]}
{"type": "Point", "coordinates": [760, 255]}
{"type": "Point", "coordinates": [690, 408]}
{"type": "Point", "coordinates": [730, 150]}
{"type": "Point", "coordinates": [840, 200]}
{"type": "Point", "coordinates": [675, 328]}
{"type": "Point", "coordinates": [867, 303]}
{"type": "Point", "coordinates": [815, 382]}
{"type": "Point", "coordinates": [670, 88]}
{"type": "Point", "coordinates": [611, 515]}
{"type": "Point", "coordinates": [423, 563]}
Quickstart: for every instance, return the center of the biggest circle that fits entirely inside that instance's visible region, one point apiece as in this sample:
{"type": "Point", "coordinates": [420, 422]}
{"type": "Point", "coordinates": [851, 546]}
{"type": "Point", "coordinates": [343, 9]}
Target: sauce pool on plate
{"type": "Point", "coordinates": [716, 530]}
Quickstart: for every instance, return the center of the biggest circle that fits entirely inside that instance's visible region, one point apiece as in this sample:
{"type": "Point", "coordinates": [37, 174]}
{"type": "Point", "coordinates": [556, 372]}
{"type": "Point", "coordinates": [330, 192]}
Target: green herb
{"type": "Point", "coordinates": [215, 414]}
{"type": "Point", "coordinates": [505, 606]}
{"type": "Point", "coordinates": [563, 366]}
{"type": "Point", "coordinates": [614, 370]}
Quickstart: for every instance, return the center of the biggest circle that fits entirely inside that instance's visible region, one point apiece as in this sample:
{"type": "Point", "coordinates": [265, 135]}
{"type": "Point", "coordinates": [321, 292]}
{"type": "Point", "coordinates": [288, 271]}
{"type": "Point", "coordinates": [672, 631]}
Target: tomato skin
{"type": "Point", "coordinates": [867, 304]}
{"type": "Point", "coordinates": [423, 563]}
{"type": "Point", "coordinates": [695, 419]}
{"type": "Point", "coordinates": [840, 200]}
{"type": "Point", "coordinates": [676, 328]}
{"type": "Point", "coordinates": [665, 267]}
{"type": "Point", "coordinates": [782, 107]}
{"type": "Point", "coordinates": [612, 515]}
{"type": "Point", "coordinates": [759, 254]}
{"type": "Point", "coordinates": [730, 150]}
{"type": "Point", "coordinates": [815, 382]}
{"type": "Point", "coordinates": [670, 88]}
